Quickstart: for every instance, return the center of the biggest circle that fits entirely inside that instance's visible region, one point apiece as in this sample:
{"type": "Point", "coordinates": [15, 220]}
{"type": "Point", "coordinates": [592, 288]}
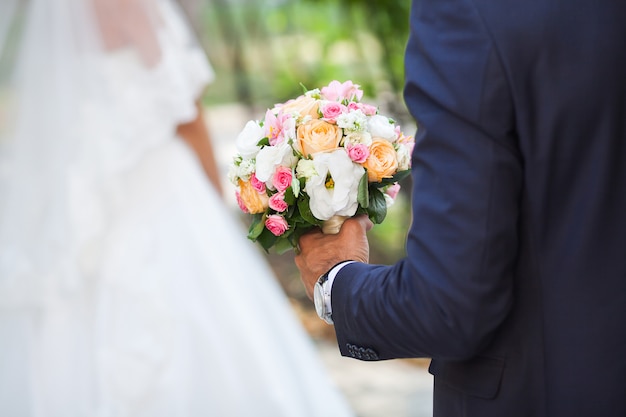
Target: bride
{"type": "Point", "coordinates": [126, 286]}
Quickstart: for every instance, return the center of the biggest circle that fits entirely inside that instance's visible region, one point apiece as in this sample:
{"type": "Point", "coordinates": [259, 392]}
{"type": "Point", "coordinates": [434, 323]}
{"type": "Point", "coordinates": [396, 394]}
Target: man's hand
{"type": "Point", "coordinates": [320, 252]}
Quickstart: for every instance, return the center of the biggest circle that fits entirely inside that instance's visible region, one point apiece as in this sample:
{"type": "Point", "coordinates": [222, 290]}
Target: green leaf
{"type": "Point", "coordinates": [257, 226]}
{"type": "Point", "coordinates": [292, 215]}
{"type": "Point", "coordinates": [398, 177]}
{"type": "Point", "coordinates": [283, 245]}
{"type": "Point", "coordinates": [263, 142]}
{"type": "Point", "coordinates": [401, 175]}
{"type": "Point", "coordinates": [267, 239]}
{"type": "Point", "coordinates": [295, 237]}
{"type": "Point", "coordinates": [377, 209]}
{"type": "Point", "coordinates": [363, 192]}
{"type": "Point", "coordinates": [305, 211]}
{"type": "Point", "coordinates": [290, 197]}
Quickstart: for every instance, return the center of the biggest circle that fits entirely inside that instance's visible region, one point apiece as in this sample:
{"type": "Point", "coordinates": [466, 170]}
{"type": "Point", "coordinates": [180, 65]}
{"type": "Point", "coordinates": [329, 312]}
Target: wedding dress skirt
{"type": "Point", "coordinates": [127, 287]}
{"type": "Point", "coordinates": [182, 318]}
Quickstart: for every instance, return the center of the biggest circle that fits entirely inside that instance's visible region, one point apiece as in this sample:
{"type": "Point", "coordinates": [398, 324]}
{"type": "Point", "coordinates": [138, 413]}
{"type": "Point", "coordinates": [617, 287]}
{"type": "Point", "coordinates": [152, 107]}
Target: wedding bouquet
{"type": "Point", "coordinates": [316, 160]}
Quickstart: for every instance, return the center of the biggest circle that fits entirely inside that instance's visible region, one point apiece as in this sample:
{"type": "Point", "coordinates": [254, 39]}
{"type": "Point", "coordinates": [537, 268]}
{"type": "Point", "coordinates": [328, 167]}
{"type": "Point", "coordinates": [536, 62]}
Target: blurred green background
{"type": "Point", "coordinates": [263, 50]}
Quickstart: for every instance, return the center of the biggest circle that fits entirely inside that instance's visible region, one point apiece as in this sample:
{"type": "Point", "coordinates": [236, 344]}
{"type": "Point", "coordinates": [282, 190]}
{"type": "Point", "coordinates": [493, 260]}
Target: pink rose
{"type": "Point", "coordinates": [337, 91]}
{"type": "Point", "coordinates": [276, 224]}
{"type": "Point", "coordinates": [240, 202]}
{"type": "Point", "coordinates": [282, 178]}
{"type": "Point", "coordinates": [367, 109]}
{"type": "Point", "coordinates": [331, 110]}
{"type": "Point", "coordinates": [358, 153]}
{"type": "Point", "coordinates": [392, 190]}
{"type": "Point", "coordinates": [277, 202]}
{"type": "Point", "coordinates": [259, 186]}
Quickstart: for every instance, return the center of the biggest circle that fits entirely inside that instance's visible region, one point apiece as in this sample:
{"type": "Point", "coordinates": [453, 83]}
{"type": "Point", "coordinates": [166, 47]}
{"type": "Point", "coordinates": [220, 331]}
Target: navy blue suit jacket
{"type": "Point", "coordinates": [514, 281]}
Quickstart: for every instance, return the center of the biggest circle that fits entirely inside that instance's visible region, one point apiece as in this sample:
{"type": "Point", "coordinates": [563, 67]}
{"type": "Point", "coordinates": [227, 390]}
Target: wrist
{"type": "Point", "coordinates": [323, 289]}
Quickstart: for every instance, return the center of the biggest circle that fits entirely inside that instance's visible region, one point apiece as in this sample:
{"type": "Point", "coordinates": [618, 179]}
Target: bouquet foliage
{"type": "Point", "coordinates": [316, 160]}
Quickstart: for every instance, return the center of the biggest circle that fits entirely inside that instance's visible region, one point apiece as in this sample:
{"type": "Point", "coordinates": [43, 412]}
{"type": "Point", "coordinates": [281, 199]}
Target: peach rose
{"type": "Point", "coordinates": [317, 136]}
{"type": "Point", "coordinates": [382, 161]}
{"type": "Point", "coordinates": [303, 105]}
{"type": "Point", "coordinates": [254, 201]}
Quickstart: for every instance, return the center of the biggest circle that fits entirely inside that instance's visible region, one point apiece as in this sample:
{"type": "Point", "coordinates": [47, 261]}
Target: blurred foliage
{"type": "Point", "coordinates": [262, 50]}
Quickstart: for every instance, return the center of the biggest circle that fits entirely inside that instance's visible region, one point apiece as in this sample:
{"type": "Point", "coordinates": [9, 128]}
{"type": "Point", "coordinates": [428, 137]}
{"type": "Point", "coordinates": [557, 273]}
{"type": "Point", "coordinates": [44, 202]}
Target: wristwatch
{"type": "Point", "coordinates": [321, 298]}
{"type": "Point", "coordinates": [322, 289]}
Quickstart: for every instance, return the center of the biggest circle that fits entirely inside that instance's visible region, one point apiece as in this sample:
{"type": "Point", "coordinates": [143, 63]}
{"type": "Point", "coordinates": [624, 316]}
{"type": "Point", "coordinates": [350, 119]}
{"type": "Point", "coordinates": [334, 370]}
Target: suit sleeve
{"type": "Point", "coordinates": [453, 289]}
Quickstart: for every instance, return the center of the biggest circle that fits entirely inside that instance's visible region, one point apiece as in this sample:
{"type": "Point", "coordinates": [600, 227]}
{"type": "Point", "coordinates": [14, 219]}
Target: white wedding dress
{"type": "Point", "coordinates": [127, 288]}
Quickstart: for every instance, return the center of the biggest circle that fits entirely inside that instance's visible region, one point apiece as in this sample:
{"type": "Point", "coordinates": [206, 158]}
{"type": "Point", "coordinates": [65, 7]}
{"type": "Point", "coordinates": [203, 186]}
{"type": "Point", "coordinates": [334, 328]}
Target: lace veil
{"type": "Point", "coordinates": [86, 88]}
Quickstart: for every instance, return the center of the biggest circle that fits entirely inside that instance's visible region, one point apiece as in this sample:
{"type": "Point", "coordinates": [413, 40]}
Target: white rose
{"type": "Point", "coordinates": [269, 157]}
{"type": "Point", "coordinates": [380, 126]}
{"type": "Point", "coordinates": [305, 168]}
{"type": "Point", "coordinates": [389, 200]}
{"type": "Point", "coordinates": [334, 190]}
{"type": "Point", "coordinates": [358, 138]}
{"type": "Point", "coordinates": [248, 139]}
{"type": "Point", "coordinates": [404, 157]}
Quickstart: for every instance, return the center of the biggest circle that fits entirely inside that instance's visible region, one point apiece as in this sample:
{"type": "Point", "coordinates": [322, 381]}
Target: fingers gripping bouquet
{"type": "Point", "coordinates": [315, 161]}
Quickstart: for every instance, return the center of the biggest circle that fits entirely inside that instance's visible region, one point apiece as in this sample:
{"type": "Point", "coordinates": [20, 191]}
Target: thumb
{"type": "Point", "coordinates": [365, 222]}
{"type": "Point", "coordinates": [361, 222]}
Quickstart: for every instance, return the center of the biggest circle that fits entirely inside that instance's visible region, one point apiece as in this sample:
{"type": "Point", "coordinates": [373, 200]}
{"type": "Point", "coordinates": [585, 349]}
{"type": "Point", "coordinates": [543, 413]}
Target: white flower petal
{"type": "Point", "coordinates": [248, 139]}
{"type": "Point", "coordinates": [380, 126]}
{"type": "Point", "coordinates": [269, 157]}
{"type": "Point", "coordinates": [340, 199]}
